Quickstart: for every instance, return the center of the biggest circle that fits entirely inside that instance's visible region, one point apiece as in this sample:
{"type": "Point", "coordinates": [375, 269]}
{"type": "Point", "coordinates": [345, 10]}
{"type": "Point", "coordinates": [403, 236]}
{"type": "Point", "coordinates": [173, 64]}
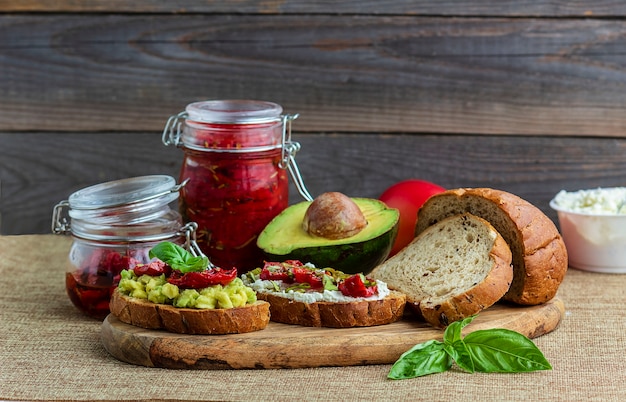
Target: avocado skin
{"type": "Point", "coordinates": [359, 256]}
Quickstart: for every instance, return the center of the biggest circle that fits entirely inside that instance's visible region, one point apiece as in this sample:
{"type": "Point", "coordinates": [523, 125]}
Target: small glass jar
{"type": "Point", "coordinates": [114, 225]}
{"type": "Point", "coordinates": [236, 157]}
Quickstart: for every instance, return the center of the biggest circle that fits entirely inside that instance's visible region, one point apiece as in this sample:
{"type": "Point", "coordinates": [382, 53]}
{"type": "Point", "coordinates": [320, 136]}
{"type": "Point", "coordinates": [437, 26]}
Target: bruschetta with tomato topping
{"type": "Point", "coordinates": [302, 294]}
{"type": "Point", "coordinates": [180, 292]}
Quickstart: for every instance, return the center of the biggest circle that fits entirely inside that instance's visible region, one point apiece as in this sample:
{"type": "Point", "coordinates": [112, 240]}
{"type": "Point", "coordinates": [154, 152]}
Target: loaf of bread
{"type": "Point", "coordinates": [359, 313]}
{"type": "Point", "coordinates": [539, 253]}
{"type": "Point", "coordinates": [145, 314]}
{"type": "Point", "coordinates": [453, 269]}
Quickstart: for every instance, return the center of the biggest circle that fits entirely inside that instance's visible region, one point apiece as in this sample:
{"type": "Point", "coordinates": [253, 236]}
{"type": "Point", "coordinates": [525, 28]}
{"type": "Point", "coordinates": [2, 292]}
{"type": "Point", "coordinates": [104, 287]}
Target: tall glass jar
{"type": "Point", "coordinates": [236, 157]}
{"type": "Point", "coordinates": [113, 226]}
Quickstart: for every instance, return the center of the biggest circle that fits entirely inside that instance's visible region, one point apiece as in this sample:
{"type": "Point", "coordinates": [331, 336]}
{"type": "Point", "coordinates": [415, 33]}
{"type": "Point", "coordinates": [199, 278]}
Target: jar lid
{"type": "Point", "coordinates": [234, 111]}
{"type": "Point", "coordinates": [125, 191]}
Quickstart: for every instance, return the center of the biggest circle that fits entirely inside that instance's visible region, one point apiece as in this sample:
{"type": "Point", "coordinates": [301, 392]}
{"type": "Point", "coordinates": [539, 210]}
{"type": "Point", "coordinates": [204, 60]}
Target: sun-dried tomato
{"type": "Point", "coordinates": [199, 280]}
{"type": "Point", "coordinates": [355, 286]}
{"type": "Point", "coordinates": [276, 271]}
{"type": "Point", "coordinates": [306, 275]}
{"type": "Point", "coordinates": [154, 268]}
{"type": "Point", "coordinates": [91, 285]}
{"type": "Point", "coordinates": [114, 262]}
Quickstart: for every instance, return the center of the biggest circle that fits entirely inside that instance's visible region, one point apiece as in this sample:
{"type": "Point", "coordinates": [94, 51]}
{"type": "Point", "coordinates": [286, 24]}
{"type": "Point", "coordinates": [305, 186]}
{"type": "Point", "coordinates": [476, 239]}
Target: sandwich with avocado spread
{"type": "Point", "coordinates": [183, 293]}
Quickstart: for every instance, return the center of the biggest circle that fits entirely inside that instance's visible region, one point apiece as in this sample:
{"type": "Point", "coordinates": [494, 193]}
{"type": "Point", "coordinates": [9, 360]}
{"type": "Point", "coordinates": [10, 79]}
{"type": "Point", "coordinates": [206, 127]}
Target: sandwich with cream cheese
{"type": "Point", "coordinates": [302, 294]}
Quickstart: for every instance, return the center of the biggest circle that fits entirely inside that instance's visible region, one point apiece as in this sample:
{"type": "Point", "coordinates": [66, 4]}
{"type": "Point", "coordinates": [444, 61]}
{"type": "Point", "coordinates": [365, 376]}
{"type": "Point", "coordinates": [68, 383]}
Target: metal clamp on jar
{"type": "Point", "coordinates": [114, 225]}
{"type": "Point", "coordinates": [236, 157]}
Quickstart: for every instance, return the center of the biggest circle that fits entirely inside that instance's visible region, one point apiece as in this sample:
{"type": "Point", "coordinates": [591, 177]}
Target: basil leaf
{"type": "Point", "coordinates": [455, 346]}
{"type": "Point", "coordinates": [487, 351]}
{"type": "Point", "coordinates": [452, 333]}
{"type": "Point", "coordinates": [178, 258]}
{"type": "Point", "coordinates": [461, 355]}
{"type": "Point", "coordinates": [504, 351]}
{"type": "Point", "coordinates": [422, 359]}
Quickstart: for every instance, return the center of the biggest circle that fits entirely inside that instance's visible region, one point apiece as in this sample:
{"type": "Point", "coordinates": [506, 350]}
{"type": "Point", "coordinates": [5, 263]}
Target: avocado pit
{"type": "Point", "coordinates": [333, 216]}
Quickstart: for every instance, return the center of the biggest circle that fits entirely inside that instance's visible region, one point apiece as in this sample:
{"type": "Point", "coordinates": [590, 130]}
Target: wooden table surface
{"type": "Point", "coordinates": [50, 351]}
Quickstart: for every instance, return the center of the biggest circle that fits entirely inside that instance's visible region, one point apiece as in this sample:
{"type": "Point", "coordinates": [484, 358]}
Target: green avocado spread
{"type": "Point", "coordinates": [156, 289]}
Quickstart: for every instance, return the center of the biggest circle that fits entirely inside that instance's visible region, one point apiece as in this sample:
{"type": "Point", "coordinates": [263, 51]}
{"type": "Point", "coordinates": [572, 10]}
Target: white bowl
{"type": "Point", "coordinates": [595, 241]}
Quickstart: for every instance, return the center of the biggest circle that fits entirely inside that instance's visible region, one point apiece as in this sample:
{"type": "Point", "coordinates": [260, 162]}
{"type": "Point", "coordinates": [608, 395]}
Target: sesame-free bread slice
{"type": "Point", "coordinates": [539, 253]}
{"type": "Point", "coordinates": [145, 314]}
{"type": "Point", "coordinates": [454, 269]}
{"type": "Point", "coordinates": [358, 313]}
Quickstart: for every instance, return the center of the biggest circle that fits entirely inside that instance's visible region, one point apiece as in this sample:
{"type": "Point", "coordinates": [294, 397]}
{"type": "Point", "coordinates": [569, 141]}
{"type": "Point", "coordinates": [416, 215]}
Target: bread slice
{"type": "Point", "coordinates": [145, 314]}
{"type": "Point", "coordinates": [539, 253]}
{"type": "Point", "coordinates": [454, 269]}
{"type": "Point", "coordinates": [358, 313]}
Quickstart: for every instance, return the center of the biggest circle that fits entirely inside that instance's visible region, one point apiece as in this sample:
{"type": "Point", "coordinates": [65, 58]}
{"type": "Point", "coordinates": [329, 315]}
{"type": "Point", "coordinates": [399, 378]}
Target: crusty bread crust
{"type": "Point", "coordinates": [539, 253]}
{"type": "Point", "coordinates": [145, 314]}
{"type": "Point", "coordinates": [362, 313]}
{"type": "Point", "coordinates": [472, 298]}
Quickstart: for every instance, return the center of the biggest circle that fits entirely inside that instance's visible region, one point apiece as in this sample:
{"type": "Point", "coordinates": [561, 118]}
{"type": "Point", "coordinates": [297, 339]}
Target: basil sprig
{"type": "Point", "coordinates": [178, 258]}
{"type": "Point", "coordinates": [487, 351]}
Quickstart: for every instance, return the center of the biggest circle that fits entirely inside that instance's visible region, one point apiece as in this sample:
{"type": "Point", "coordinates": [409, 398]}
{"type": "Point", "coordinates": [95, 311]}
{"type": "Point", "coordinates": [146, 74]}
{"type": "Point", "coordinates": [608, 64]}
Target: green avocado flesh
{"type": "Point", "coordinates": [284, 239]}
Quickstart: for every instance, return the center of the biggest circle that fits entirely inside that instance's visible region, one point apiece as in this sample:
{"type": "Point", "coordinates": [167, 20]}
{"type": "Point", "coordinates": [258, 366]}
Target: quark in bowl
{"type": "Point", "coordinates": [593, 225]}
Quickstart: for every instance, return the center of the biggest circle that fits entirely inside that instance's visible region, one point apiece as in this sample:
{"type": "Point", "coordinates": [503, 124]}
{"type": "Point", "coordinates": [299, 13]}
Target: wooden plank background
{"type": "Point", "coordinates": [524, 96]}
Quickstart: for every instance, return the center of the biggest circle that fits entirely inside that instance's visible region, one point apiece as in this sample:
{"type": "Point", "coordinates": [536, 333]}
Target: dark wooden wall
{"type": "Point", "coordinates": [526, 96]}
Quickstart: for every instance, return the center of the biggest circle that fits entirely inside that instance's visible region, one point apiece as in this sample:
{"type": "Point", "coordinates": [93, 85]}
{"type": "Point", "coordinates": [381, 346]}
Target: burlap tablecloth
{"type": "Point", "coordinates": [49, 351]}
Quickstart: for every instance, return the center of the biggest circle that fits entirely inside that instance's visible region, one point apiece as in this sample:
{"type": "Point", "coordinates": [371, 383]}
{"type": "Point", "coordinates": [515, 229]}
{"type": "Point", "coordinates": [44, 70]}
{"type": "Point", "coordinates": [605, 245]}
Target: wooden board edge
{"type": "Point", "coordinates": [121, 343]}
{"type": "Point", "coordinates": [544, 318]}
{"type": "Point", "coordinates": [284, 346]}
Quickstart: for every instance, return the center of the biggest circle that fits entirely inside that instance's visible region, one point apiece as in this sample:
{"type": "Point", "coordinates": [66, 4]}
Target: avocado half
{"type": "Point", "coordinates": [285, 239]}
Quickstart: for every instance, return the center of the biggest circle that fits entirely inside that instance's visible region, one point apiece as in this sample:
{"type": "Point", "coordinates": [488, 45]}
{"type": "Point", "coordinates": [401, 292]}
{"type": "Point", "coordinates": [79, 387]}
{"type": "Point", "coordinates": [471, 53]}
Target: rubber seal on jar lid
{"type": "Point", "coordinates": [234, 112]}
{"type": "Point", "coordinates": [125, 191]}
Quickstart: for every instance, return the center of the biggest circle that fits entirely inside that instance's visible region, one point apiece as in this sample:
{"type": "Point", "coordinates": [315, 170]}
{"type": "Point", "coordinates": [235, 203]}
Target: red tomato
{"type": "Point", "coordinates": [154, 268]}
{"type": "Point", "coordinates": [203, 279]}
{"type": "Point", "coordinates": [306, 275]}
{"type": "Point", "coordinates": [408, 196]}
{"type": "Point", "coordinates": [356, 287]}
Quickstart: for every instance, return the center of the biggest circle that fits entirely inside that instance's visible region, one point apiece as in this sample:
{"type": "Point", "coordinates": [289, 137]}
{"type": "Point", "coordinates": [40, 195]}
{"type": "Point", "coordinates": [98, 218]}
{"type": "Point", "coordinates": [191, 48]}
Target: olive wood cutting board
{"type": "Point", "coordinates": [291, 346]}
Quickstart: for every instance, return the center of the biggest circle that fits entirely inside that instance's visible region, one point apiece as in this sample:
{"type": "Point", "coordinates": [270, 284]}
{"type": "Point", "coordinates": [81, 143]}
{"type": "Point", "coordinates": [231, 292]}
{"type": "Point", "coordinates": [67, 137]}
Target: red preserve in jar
{"type": "Point", "coordinates": [114, 225]}
{"type": "Point", "coordinates": [236, 157]}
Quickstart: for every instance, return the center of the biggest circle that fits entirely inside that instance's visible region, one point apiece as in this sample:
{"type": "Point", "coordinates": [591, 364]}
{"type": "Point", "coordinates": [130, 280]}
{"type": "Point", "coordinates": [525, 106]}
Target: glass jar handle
{"type": "Point", "coordinates": [288, 157]}
{"type": "Point", "coordinates": [60, 221]}
{"type": "Point", "coordinates": [189, 231]}
{"type": "Point", "coordinates": [171, 132]}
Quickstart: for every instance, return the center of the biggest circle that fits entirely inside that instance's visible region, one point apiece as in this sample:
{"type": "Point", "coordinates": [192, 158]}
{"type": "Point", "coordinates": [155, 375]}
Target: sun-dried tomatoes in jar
{"type": "Point", "coordinates": [114, 225]}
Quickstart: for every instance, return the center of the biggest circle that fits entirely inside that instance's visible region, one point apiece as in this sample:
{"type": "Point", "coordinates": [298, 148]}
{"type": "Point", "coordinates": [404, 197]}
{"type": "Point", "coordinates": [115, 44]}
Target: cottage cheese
{"type": "Point", "coordinates": [600, 201]}
{"type": "Point", "coordinates": [335, 296]}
